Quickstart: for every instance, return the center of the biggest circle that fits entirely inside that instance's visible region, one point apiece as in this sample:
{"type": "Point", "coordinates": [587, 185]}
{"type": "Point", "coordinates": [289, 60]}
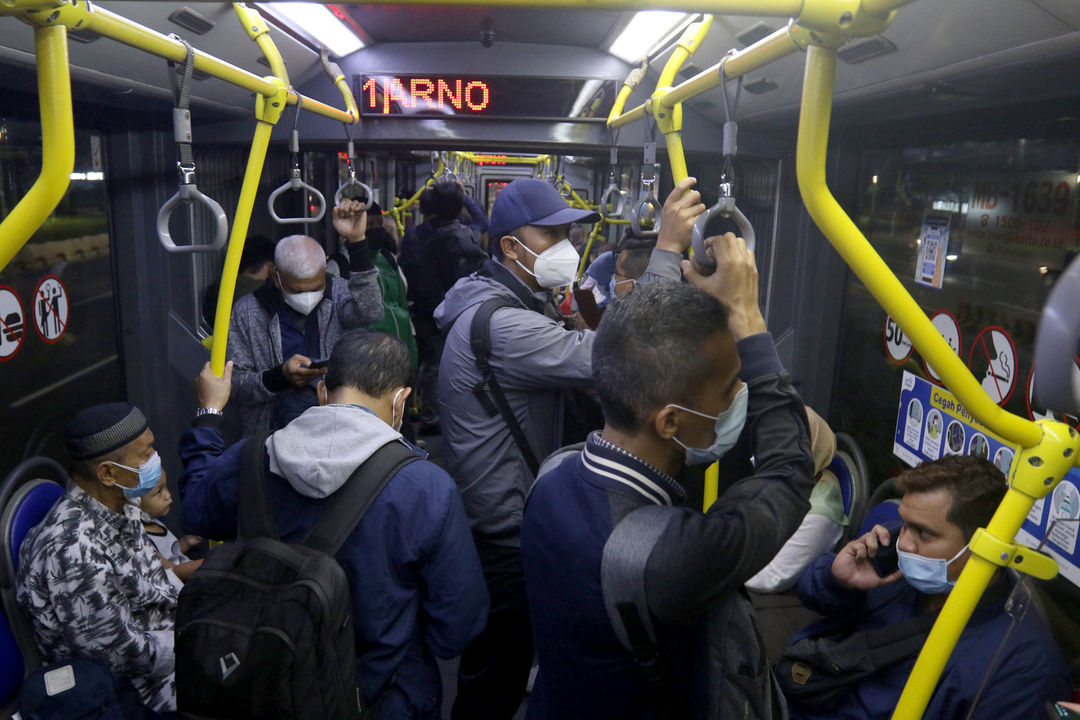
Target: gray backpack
{"type": "Point", "coordinates": [740, 684]}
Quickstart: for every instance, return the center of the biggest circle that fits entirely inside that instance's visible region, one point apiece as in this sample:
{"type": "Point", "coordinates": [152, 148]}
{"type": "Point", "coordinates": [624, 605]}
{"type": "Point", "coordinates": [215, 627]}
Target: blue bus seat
{"type": "Point", "coordinates": [26, 496]}
{"type": "Point", "coordinates": [12, 667]}
{"type": "Point", "coordinates": [885, 512]}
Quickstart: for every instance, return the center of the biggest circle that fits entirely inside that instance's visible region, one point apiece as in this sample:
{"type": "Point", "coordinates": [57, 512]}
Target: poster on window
{"type": "Point", "coordinates": [933, 247]}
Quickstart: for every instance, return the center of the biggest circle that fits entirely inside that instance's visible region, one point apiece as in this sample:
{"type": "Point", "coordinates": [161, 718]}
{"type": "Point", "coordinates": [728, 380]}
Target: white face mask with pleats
{"type": "Point", "coordinates": [556, 266]}
{"type": "Point", "coordinates": [301, 302]}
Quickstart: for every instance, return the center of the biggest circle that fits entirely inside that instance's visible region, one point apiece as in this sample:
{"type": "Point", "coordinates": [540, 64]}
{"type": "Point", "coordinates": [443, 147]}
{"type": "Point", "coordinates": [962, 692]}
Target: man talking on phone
{"type": "Point", "coordinates": [281, 335]}
{"type": "Point", "coordinates": [881, 594]}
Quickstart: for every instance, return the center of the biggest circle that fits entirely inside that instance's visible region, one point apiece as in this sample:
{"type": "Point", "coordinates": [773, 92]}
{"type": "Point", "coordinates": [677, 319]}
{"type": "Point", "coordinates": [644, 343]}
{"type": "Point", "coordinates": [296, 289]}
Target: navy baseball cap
{"type": "Point", "coordinates": [531, 201]}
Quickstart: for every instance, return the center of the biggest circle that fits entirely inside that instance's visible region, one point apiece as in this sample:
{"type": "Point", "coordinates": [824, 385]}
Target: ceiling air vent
{"type": "Point", "coordinates": [188, 19]}
{"type": "Point", "coordinates": [83, 36]}
{"type": "Point", "coordinates": [862, 50]}
{"type": "Point", "coordinates": [757, 31]}
{"type": "Point", "coordinates": [759, 85]}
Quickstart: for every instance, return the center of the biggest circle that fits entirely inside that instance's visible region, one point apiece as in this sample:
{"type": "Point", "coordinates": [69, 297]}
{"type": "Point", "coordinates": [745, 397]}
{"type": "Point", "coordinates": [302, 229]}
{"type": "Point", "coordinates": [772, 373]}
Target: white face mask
{"type": "Point", "coordinates": [301, 302]}
{"type": "Point", "coordinates": [394, 422]}
{"type": "Point", "coordinates": [556, 266]}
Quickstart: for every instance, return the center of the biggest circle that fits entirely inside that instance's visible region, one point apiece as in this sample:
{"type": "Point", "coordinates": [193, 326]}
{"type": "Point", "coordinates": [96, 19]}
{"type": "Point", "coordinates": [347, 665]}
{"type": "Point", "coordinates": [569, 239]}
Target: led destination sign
{"type": "Point", "coordinates": [472, 96]}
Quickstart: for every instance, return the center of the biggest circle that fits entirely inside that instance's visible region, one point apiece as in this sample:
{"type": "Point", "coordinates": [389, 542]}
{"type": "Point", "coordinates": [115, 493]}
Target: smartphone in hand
{"type": "Point", "coordinates": [316, 364]}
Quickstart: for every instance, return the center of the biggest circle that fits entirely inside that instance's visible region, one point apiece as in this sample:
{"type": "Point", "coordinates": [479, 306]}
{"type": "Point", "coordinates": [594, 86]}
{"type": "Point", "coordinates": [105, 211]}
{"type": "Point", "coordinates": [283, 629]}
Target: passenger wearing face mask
{"type": "Point", "coordinates": [295, 318]}
{"type": "Point", "coordinates": [682, 374]}
{"type": "Point", "coordinates": [414, 576]}
{"type": "Point", "coordinates": [533, 359]}
{"type": "Point", "coordinates": [89, 578]}
{"type": "Point", "coordinates": [1003, 668]}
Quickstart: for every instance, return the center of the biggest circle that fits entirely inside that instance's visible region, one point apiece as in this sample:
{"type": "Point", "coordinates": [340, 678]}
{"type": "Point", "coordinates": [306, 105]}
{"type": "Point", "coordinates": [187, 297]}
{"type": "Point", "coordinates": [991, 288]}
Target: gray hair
{"type": "Point", "coordinates": [648, 350]}
{"type": "Point", "coordinates": [300, 256]}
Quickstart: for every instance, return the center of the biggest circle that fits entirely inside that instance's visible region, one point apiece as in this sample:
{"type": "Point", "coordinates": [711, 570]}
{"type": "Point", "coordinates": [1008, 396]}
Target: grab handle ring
{"type": "Point", "coordinates": [295, 183]}
{"type": "Point", "coordinates": [726, 207]}
{"type": "Point", "coordinates": [1057, 385]}
{"type": "Point", "coordinates": [189, 193]}
{"type": "Point", "coordinates": [608, 209]}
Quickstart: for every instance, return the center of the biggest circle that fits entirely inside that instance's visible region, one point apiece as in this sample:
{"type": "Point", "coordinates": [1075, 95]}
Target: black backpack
{"type": "Point", "coordinates": [264, 628]}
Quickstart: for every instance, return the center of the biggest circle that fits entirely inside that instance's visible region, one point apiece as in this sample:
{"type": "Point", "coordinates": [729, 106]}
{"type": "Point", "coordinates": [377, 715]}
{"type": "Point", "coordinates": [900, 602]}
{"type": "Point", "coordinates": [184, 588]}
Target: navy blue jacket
{"type": "Point", "coordinates": [701, 557]}
{"type": "Point", "coordinates": [412, 567]}
{"type": "Point", "coordinates": [1028, 672]}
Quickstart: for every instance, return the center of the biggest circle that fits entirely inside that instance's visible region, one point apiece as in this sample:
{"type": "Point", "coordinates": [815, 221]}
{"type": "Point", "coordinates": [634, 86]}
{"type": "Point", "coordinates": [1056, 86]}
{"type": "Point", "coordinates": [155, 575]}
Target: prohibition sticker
{"type": "Point", "coordinates": [993, 362]}
{"type": "Point", "coordinates": [897, 345]}
{"type": "Point", "coordinates": [949, 327]}
{"type": "Point", "coordinates": [12, 325]}
{"type": "Point", "coordinates": [50, 305]}
{"type": "Point", "coordinates": [1036, 411]}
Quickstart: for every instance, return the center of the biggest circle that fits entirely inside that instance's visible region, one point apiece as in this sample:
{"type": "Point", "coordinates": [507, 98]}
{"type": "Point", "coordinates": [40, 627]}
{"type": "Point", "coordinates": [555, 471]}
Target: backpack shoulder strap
{"type": "Point", "coordinates": [254, 517]}
{"type": "Point", "coordinates": [622, 580]}
{"type": "Point", "coordinates": [488, 391]}
{"type": "Point", "coordinates": [354, 498]}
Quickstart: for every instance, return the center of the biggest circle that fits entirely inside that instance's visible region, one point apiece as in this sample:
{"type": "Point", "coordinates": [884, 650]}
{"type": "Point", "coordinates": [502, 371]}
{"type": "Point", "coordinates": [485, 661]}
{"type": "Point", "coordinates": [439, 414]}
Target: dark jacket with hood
{"type": "Point", "coordinates": [700, 562]}
{"type": "Point", "coordinates": [415, 578]}
{"type": "Point", "coordinates": [534, 359]}
{"type": "Point", "coordinates": [255, 335]}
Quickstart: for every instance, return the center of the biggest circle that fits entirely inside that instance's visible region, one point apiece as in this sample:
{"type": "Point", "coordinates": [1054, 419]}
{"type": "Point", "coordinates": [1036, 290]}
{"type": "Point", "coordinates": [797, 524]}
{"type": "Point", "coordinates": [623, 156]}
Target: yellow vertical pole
{"type": "Point", "coordinates": [57, 143]}
{"type": "Point", "coordinates": [240, 224]}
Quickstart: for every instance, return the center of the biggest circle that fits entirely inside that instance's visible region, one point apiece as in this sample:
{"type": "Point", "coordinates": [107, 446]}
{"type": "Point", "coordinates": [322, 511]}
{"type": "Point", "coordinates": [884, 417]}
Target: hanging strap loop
{"type": "Point", "coordinates": [725, 205]}
{"type": "Point", "coordinates": [296, 182]}
{"type": "Point", "coordinates": [187, 193]}
{"type": "Point", "coordinates": [352, 184]}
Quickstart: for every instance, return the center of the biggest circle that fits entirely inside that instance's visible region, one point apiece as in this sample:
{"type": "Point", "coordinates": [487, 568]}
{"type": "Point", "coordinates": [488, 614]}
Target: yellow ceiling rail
{"type": "Point", "coordinates": [782, 8]}
{"type": "Point", "coordinates": [79, 15]}
{"type": "Point", "coordinates": [57, 143]}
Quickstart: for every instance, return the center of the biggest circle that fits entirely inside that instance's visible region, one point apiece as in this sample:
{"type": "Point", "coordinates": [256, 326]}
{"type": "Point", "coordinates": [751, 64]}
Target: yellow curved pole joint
{"type": "Point", "coordinates": [57, 143]}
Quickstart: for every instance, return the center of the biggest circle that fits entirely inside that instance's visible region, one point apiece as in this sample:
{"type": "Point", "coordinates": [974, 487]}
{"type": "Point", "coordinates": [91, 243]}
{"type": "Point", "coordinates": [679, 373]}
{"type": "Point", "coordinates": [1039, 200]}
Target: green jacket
{"type": "Point", "coordinates": [395, 319]}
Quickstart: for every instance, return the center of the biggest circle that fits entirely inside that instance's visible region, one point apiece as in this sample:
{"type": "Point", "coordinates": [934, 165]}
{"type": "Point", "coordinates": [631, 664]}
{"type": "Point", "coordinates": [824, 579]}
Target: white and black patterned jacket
{"type": "Point", "coordinates": [94, 586]}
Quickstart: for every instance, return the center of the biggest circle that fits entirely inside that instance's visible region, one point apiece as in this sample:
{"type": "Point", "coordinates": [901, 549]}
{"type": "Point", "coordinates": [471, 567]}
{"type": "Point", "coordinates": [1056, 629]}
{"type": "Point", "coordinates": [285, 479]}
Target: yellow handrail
{"type": "Point", "coordinates": [1046, 440]}
{"type": "Point", "coordinates": [57, 143]}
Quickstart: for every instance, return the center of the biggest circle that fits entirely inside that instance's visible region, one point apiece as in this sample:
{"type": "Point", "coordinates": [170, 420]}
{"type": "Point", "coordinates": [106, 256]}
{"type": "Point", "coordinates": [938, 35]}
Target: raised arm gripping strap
{"type": "Point", "coordinates": [488, 391]}
{"type": "Point", "coordinates": [622, 581]}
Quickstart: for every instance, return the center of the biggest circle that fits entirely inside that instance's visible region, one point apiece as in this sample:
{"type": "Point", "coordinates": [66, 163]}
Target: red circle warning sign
{"type": "Point", "coordinates": [897, 345]}
{"type": "Point", "coordinates": [949, 327]}
{"type": "Point", "coordinates": [50, 306]}
{"type": "Point", "coordinates": [993, 363]}
{"type": "Point", "coordinates": [12, 323]}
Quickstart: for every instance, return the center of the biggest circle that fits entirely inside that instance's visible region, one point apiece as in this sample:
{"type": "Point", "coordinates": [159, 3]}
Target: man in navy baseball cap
{"type": "Point", "coordinates": [534, 360]}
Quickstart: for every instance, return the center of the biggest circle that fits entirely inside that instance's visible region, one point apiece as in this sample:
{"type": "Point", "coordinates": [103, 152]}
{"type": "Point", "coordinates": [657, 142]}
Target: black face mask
{"type": "Point", "coordinates": [380, 239]}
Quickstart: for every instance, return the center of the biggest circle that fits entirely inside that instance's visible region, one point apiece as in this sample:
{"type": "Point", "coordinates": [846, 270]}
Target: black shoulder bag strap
{"type": "Point", "coordinates": [254, 518]}
{"type": "Point", "coordinates": [488, 391]}
{"type": "Point", "coordinates": [353, 499]}
{"type": "Point", "coordinates": [622, 580]}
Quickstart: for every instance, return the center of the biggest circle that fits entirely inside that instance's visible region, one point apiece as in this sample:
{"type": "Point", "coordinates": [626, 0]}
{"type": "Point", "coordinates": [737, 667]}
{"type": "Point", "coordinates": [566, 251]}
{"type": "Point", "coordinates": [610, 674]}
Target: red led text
{"type": "Point", "coordinates": [425, 93]}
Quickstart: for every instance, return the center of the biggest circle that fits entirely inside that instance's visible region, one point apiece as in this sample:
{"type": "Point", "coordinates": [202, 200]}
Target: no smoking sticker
{"type": "Point", "coordinates": [897, 345]}
{"type": "Point", "coordinates": [50, 305]}
{"type": "Point", "coordinates": [993, 363]}
{"type": "Point", "coordinates": [12, 323]}
{"type": "Point", "coordinates": [949, 327]}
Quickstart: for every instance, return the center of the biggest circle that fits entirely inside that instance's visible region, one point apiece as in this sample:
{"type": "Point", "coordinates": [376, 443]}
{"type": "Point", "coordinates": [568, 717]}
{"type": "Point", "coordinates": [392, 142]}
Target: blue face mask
{"type": "Point", "coordinates": [611, 286]}
{"type": "Point", "coordinates": [149, 474]}
{"type": "Point", "coordinates": [927, 575]}
{"type": "Point", "coordinates": [729, 425]}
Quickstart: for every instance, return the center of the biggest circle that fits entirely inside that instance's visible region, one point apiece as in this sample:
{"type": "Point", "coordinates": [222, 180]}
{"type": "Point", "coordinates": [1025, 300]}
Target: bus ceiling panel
{"type": "Point", "coordinates": [422, 24]}
{"type": "Point", "coordinates": [505, 59]}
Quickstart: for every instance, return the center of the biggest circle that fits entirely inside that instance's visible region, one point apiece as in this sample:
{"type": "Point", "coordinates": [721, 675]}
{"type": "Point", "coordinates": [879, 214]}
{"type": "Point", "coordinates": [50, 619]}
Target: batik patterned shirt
{"type": "Point", "coordinates": [93, 585]}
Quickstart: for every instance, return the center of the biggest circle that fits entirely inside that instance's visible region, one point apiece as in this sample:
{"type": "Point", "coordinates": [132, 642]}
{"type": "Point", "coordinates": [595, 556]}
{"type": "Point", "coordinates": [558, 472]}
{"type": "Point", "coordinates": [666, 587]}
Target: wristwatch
{"type": "Point", "coordinates": [206, 411]}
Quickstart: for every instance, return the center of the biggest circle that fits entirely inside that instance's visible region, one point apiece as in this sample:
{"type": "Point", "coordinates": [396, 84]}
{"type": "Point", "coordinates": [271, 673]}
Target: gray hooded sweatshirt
{"type": "Point", "coordinates": [535, 359]}
{"type": "Point", "coordinates": [348, 435]}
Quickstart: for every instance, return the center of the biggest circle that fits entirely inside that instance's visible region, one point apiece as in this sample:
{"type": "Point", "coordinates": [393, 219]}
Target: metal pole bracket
{"type": "Point", "coordinates": [1019, 557]}
{"type": "Point", "coordinates": [1036, 470]}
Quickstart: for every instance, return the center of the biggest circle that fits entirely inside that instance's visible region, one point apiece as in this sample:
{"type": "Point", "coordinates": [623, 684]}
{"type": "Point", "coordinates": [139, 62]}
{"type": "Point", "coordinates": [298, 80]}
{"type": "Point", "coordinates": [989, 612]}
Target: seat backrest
{"type": "Point", "coordinates": [27, 507]}
{"type": "Point", "coordinates": [11, 666]}
{"type": "Point", "coordinates": [885, 512]}
{"type": "Point", "coordinates": [841, 468]}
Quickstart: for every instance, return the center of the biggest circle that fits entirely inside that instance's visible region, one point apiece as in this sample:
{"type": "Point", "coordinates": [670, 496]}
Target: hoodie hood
{"type": "Point", "coordinates": [318, 451]}
{"type": "Point", "coordinates": [493, 280]}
